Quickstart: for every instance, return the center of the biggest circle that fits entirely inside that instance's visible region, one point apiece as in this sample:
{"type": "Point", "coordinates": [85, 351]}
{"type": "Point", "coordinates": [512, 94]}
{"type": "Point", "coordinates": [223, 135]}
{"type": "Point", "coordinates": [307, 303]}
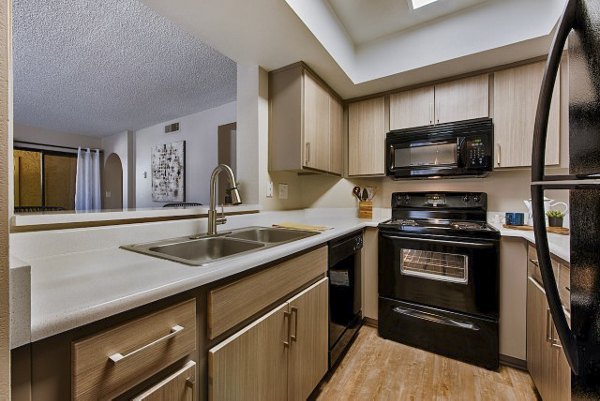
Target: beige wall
{"type": "Point", "coordinates": [506, 190]}
{"type": "Point", "coordinates": [43, 136]}
{"type": "Point", "coordinates": [5, 158]}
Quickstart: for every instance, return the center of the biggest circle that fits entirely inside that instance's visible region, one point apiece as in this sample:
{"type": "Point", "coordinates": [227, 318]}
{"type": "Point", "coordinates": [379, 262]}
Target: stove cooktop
{"type": "Point", "coordinates": [445, 227]}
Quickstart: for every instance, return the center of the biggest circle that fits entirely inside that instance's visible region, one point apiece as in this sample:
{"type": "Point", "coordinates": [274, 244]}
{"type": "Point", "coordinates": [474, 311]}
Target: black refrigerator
{"type": "Point", "coordinates": [579, 26]}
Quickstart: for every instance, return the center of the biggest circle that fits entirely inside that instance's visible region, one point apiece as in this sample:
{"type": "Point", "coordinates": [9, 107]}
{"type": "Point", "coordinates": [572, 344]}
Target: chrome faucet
{"type": "Point", "coordinates": [213, 220]}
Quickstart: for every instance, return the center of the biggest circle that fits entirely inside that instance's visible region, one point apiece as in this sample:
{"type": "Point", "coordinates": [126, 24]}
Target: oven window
{"type": "Point", "coordinates": [439, 154]}
{"type": "Point", "coordinates": [434, 265]}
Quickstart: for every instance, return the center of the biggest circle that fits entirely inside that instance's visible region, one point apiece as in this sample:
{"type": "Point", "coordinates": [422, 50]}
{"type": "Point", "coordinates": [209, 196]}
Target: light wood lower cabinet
{"type": "Point", "coordinates": [309, 340]}
{"type": "Point", "coordinates": [545, 359]}
{"type": "Point", "coordinates": [180, 386]}
{"type": "Point", "coordinates": [281, 356]}
{"type": "Point", "coordinates": [107, 364]}
{"type": "Point", "coordinates": [370, 274]}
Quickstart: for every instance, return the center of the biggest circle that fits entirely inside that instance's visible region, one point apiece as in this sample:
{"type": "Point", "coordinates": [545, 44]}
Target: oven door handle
{"type": "Point", "coordinates": [464, 244]}
{"type": "Point", "coordinates": [430, 317]}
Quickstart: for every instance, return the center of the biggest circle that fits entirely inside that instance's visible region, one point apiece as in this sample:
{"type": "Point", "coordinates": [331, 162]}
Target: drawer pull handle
{"type": "Point", "coordinates": [288, 316]}
{"type": "Point", "coordinates": [175, 330]}
{"type": "Point", "coordinates": [295, 313]}
{"type": "Point", "coordinates": [535, 262]}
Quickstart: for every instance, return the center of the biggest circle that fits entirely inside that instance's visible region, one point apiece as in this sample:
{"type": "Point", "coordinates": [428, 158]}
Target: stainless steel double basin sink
{"type": "Point", "coordinates": [204, 250]}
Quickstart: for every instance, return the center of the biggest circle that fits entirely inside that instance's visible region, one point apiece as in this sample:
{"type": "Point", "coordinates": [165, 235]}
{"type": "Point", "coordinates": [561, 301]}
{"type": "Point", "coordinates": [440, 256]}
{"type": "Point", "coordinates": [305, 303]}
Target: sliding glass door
{"type": "Point", "coordinates": [44, 180]}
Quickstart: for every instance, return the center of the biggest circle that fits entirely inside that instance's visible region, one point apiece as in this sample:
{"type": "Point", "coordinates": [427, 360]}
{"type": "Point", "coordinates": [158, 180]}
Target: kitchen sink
{"type": "Point", "coordinates": [200, 251]}
{"type": "Point", "coordinates": [270, 235]}
{"type": "Point", "coordinates": [204, 250]}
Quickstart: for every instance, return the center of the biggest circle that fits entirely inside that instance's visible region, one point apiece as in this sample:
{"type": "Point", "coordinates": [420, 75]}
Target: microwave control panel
{"type": "Point", "coordinates": [477, 152]}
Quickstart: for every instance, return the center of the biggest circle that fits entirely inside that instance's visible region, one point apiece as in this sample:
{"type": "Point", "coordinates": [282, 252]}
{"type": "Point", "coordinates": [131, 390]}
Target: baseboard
{"type": "Point", "coordinates": [513, 362]}
{"type": "Point", "coordinates": [367, 321]}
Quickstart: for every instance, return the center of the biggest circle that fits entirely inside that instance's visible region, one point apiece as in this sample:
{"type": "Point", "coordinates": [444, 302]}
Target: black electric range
{"type": "Point", "coordinates": [438, 275]}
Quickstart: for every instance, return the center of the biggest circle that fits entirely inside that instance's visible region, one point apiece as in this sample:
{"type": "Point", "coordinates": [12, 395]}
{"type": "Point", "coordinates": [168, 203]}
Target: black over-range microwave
{"type": "Point", "coordinates": [456, 149]}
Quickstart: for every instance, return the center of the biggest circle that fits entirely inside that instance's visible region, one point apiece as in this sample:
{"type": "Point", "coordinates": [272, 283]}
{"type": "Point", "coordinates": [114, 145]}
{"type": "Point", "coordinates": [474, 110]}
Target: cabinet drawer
{"type": "Point", "coordinates": [533, 268]}
{"type": "Point", "coordinates": [180, 386]}
{"type": "Point", "coordinates": [106, 364]}
{"type": "Point", "coordinates": [236, 302]}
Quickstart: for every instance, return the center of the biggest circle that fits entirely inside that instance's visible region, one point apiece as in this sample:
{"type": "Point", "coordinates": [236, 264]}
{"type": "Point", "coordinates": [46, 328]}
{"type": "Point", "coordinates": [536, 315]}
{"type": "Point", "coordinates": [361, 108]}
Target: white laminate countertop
{"type": "Point", "coordinates": [559, 244]}
{"type": "Point", "coordinates": [80, 276]}
{"type": "Point", "coordinates": [94, 216]}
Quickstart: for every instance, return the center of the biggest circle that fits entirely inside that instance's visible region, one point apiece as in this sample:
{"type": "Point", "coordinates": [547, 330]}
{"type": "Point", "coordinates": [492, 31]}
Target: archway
{"type": "Point", "coordinates": [113, 182]}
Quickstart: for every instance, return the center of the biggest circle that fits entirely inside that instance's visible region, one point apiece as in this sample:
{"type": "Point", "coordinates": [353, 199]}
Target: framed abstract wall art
{"type": "Point", "coordinates": [168, 172]}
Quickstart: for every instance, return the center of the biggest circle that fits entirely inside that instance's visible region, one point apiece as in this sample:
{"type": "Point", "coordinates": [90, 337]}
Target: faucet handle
{"type": "Point", "coordinates": [222, 219]}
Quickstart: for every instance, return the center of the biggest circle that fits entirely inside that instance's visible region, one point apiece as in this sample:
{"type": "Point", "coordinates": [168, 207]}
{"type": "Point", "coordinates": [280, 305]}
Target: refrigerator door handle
{"type": "Point", "coordinates": [568, 340]}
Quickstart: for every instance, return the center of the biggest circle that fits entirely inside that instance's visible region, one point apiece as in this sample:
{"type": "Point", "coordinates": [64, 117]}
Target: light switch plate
{"type": "Point", "coordinates": [283, 191]}
{"type": "Point", "coordinates": [270, 189]}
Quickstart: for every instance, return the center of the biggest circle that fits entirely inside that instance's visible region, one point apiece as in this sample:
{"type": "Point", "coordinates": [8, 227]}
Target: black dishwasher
{"type": "Point", "coordinates": [344, 293]}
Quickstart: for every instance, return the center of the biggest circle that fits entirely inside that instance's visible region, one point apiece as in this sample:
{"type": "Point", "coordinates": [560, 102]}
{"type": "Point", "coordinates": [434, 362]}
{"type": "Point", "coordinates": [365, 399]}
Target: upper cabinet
{"type": "Point", "coordinates": [305, 122]}
{"type": "Point", "coordinates": [516, 93]}
{"type": "Point", "coordinates": [463, 99]}
{"type": "Point", "coordinates": [366, 137]}
{"type": "Point", "coordinates": [413, 108]}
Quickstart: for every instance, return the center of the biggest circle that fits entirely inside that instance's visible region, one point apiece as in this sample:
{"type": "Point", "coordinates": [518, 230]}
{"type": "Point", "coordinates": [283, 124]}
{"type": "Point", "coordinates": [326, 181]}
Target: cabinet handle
{"type": "Point", "coordinates": [431, 113]}
{"type": "Point", "coordinates": [548, 327]}
{"type": "Point", "coordinates": [498, 154]}
{"type": "Point", "coordinates": [307, 152]}
{"type": "Point", "coordinates": [535, 262]}
{"type": "Point", "coordinates": [175, 330]}
{"type": "Point", "coordinates": [295, 313]}
{"type": "Point", "coordinates": [555, 343]}
{"type": "Point", "coordinates": [287, 315]}
{"type": "Point", "coordinates": [438, 107]}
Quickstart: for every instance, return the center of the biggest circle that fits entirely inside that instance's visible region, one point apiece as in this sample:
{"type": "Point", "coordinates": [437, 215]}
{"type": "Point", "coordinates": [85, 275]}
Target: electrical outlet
{"type": "Point", "coordinates": [108, 194]}
{"type": "Point", "coordinates": [283, 191]}
{"type": "Point", "coordinates": [270, 189]}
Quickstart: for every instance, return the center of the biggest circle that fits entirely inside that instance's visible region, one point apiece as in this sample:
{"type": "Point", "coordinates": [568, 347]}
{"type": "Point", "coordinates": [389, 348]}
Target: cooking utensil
{"type": "Point", "coordinates": [372, 191]}
{"type": "Point", "coordinates": [365, 194]}
{"type": "Point", "coordinates": [356, 192]}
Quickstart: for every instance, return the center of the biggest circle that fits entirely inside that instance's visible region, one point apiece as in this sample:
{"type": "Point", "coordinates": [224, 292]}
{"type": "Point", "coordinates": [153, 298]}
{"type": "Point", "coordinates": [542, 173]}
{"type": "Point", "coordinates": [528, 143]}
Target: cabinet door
{"type": "Point", "coordinates": [252, 364]}
{"type": "Point", "coordinates": [541, 357]}
{"type": "Point", "coordinates": [516, 94]}
{"type": "Point", "coordinates": [463, 99]}
{"type": "Point", "coordinates": [413, 108]}
{"type": "Point", "coordinates": [366, 137]}
{"type": "Point", "coordinates": [316, 125]}
{"type": "Point", "coordinates": [563, 372]}
{"type": "Point", "coordinates": [180, 386]}
{"type": "Point", "coordinates": [309, 340]}
{"type": "Point", "coordinates": [336, 131]}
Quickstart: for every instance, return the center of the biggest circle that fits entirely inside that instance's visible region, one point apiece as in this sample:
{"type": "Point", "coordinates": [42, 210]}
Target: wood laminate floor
{"type": "Point", "coordinates": [378, 369]}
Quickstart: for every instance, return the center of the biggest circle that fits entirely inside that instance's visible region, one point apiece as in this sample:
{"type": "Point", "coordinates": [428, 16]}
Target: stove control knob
{"type": "Point", "coordinates": [477, 198]}
{"type": "Point", "coordinates": [466, 198]}
{"type": "Point", "coordinates": [406, 198]}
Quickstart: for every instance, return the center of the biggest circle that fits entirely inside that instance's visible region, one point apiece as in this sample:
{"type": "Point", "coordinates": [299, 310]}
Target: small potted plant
{"type": "Point", "coordinates": [555, 218]}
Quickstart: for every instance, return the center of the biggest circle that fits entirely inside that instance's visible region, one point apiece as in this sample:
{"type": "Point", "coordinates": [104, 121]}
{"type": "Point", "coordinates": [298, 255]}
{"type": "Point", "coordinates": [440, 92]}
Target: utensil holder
{"type": "Point", "coordinates": [365, 209]}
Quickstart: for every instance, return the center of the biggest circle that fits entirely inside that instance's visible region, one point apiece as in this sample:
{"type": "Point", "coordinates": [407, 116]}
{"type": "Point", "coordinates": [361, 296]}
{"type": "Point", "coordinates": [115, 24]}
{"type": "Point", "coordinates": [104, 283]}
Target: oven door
{"type": "Point", "coordinates": [458, 274]}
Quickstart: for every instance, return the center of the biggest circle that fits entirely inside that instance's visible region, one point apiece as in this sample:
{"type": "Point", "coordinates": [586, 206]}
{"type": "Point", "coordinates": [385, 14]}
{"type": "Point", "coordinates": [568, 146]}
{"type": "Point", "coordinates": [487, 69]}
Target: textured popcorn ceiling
{"type": "Point", "coordinates": [100, 67]}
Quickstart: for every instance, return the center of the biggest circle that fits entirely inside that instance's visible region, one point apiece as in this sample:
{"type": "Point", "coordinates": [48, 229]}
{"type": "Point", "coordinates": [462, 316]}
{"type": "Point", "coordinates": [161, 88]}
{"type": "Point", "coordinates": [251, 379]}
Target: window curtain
{"type": "Point", "coordinates": [87, 183]}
